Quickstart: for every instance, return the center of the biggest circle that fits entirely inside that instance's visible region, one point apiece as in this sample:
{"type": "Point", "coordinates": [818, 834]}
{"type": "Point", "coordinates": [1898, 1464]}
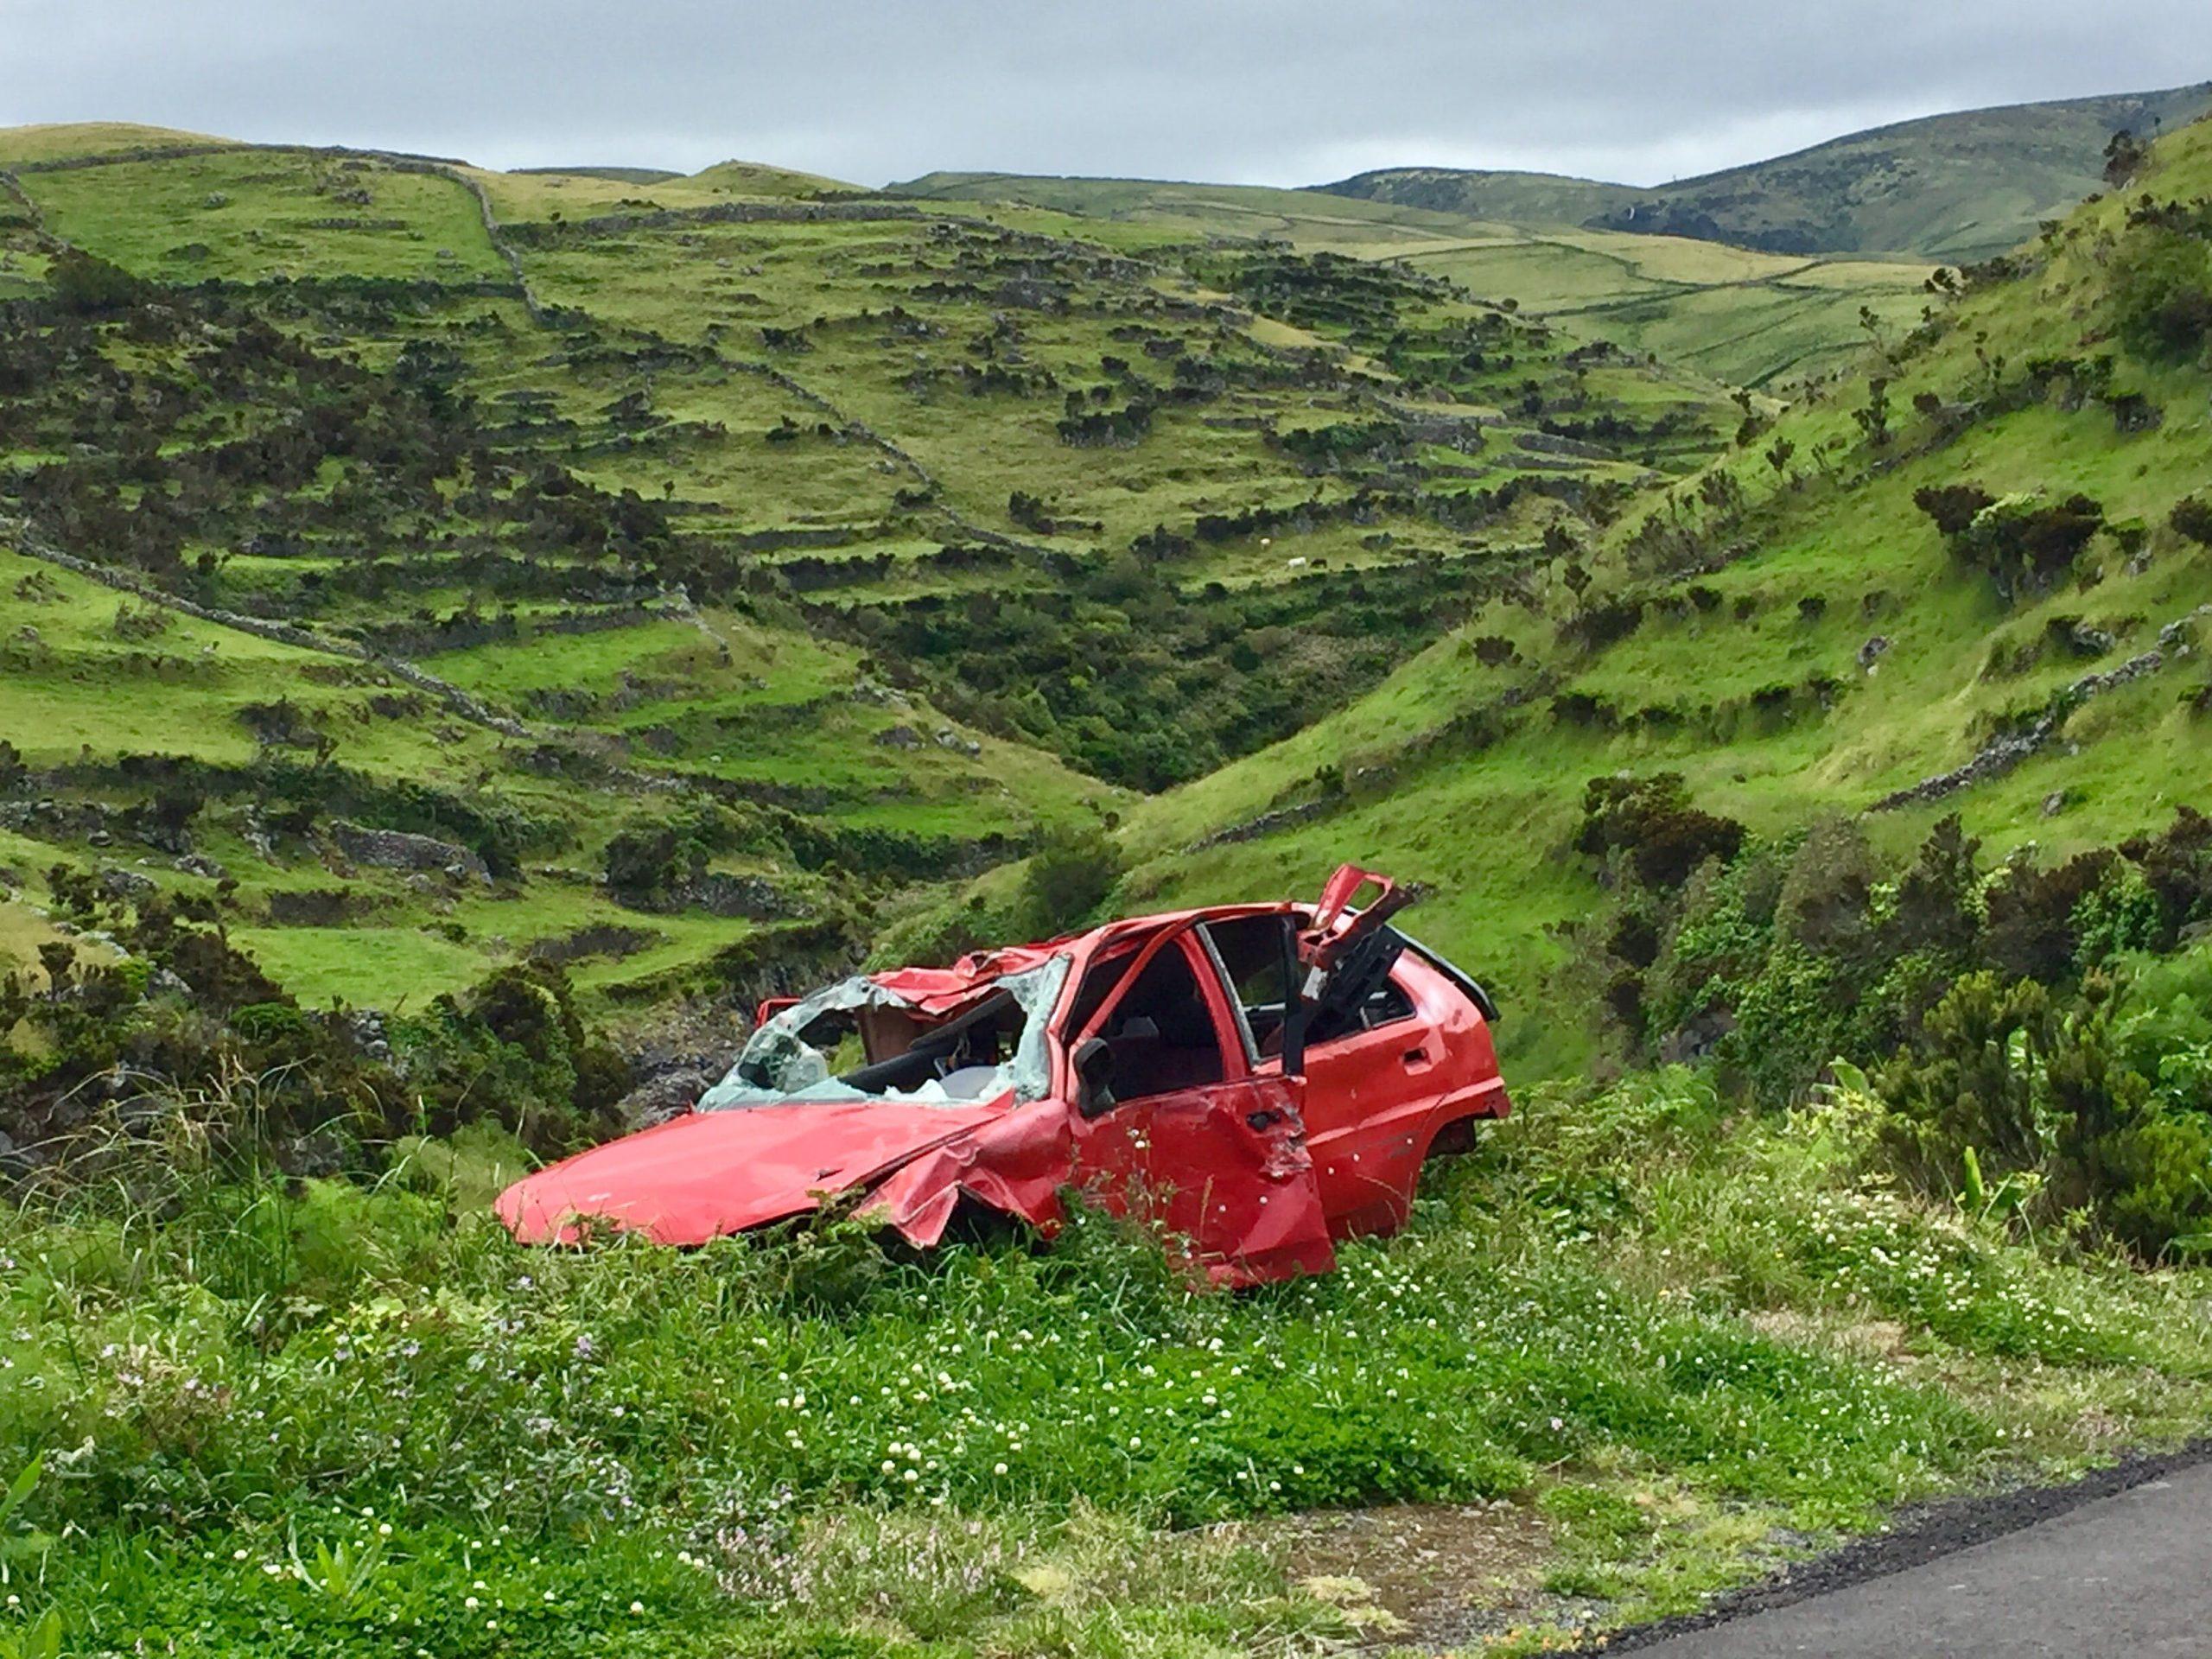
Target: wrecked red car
{"type": "Point", "coordinates": [1259, 1079]}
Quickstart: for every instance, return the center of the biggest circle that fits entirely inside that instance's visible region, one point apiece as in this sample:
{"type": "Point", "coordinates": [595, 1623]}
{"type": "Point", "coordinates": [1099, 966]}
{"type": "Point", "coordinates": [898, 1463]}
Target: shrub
{"type": "Point", "coordinates": [1953, 506]}
{"type": "Point", "coordinates": [90, 286]}
{"type": "Point", "coordinates": [1068, 876]}
{"type": "Point", "coordinates": [2006, 1082]}
{"type": "Point", "coordinates": [1654, 827]}
{"type": "Point", "coordinates": [2021, 541]}
{"type": "Point", "coordinates": [2192, 517]}
{"type": "Point", "coordinates": [2162, 293]}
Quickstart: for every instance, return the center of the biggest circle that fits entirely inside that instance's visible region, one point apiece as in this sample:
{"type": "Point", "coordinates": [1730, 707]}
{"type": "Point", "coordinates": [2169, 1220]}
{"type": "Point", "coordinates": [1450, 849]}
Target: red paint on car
{"type": "Point", "coordinates": [1142, 1063]}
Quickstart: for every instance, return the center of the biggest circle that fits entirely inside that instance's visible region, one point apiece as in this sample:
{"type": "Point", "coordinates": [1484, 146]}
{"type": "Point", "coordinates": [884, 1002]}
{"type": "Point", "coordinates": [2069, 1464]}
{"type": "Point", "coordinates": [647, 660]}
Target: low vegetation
{"type": "Point", "coordinates": [329, 1418]}
{"type": "Point", "coordinates": [453, 641]}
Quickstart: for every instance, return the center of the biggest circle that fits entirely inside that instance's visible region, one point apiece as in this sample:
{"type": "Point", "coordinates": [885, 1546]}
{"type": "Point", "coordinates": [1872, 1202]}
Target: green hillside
{"type": "Point", "coordinates": [698, 569]}
{"type": "Point", "coordinates": [465, 636]}
{"type": "Point", "coordinates": [1744, 318]}
{"type": "Point", "coordinates": [1957, 187]}
{"type": "Point", "coordinates": [1790, 632]}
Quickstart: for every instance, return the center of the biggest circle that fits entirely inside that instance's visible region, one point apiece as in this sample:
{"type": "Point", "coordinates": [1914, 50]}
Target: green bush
{"type": "Point", "coordinates": [2161, 283]}
{"type": "Point", "coordinates": [2007, 1081]}
{"type": "Point", "coordinates": [1068, 876]}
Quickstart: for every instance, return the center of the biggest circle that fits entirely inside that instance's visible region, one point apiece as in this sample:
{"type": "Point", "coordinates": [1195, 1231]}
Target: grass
{"type": "Point", "coordinates": [1666, 1345]}
{"type": "Point", "coordinates": [252, 214]}
{"type": "Point", "coordinates": [1815, 565]}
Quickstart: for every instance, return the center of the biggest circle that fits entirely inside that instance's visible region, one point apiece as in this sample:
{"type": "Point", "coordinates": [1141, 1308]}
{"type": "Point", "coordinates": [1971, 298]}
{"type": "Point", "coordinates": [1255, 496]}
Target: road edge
{"type": "Point", "coordinates": [1916, 1535]}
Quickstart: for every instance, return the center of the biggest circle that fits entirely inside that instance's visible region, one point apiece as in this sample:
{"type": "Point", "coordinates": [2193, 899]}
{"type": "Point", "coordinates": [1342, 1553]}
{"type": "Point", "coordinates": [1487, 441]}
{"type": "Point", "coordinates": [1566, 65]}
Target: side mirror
{"type": "Point", "coordinates": [1094, 1078]}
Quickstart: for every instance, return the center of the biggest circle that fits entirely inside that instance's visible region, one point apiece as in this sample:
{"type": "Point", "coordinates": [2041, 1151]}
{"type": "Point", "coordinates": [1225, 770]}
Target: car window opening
{"type": "Point", "coordinates": [1161, 1034]}
{"type": "Point", "coordinates": [1255, 964]}
{"type": "Point", "coordinates": [897, 1051]}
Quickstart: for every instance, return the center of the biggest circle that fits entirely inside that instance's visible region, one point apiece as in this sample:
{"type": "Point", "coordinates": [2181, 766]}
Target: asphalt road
{"type": "Point", "coordinates": [2129, 1574]}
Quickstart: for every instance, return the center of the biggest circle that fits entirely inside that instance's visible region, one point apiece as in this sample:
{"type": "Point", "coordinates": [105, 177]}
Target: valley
{"type": "Point", "coordinates": [468, 636]}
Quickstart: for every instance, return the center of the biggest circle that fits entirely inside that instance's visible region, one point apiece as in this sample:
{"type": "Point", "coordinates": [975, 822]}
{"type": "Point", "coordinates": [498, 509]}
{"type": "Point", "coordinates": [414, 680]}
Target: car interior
{"type": "Point", "coordinates": [964, 1055]}
{"type": "Point", "coordinates": [1251, 949]}
{"type": "Point", "coordinates": [1162, 1035]}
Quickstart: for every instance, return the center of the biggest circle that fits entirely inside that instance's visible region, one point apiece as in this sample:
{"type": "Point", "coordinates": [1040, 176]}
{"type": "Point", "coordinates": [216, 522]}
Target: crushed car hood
{"type": "Point", "coordinates": [707, 1173]}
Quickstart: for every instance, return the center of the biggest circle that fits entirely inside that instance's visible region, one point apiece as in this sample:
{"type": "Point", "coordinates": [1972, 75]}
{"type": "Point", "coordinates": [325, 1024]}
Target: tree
{"type": "Point", "coordinates": [2162, 293]}
{"type": "Point", "coordinates": [2125, 154]}
{"type": "Point", "coordinates": [90, 286]}
{"type": "Point", "coordinates": [1874, 419]}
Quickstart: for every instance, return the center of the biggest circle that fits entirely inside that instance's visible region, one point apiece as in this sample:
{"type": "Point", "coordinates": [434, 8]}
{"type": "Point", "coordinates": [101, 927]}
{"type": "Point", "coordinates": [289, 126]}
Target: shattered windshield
{"type": "Point", "coordinates": [991, 1042]}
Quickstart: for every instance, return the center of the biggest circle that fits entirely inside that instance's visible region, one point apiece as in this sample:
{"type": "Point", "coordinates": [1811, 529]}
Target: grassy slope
{"type": "Point", "coordinates": [1958, 187]}
{"type": "Point", "coordinates": [1738, 316]}
{"type": "Point", "coordinates": [56, 141]}
{"type": "Point", "coordinates": [769, 702]}
{"type": "Point", "coordinates": [1490, 829]}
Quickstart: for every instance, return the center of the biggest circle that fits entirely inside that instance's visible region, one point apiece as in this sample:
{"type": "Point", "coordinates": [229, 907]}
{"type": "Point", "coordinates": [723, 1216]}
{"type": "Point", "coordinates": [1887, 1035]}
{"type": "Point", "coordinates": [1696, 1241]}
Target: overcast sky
{"type": "Point", "coordinates": [1270, 92]}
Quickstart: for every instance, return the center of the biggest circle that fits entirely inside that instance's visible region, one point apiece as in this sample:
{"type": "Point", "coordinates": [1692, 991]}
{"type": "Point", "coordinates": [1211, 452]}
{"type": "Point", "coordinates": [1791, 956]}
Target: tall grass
{"type": "Point", "coordinates": [234, 1379]}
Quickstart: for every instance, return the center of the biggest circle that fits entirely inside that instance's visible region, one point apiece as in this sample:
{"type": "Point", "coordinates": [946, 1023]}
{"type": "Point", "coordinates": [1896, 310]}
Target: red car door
{"type": "Point", "coordinates": [1371, 1095]}
{"type": "Point", "coordinates": [1196, 1137]}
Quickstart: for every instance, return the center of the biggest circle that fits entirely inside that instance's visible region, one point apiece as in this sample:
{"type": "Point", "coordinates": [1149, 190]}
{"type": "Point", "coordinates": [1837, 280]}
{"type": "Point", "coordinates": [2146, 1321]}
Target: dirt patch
{"type": "Point", "coordinates": [1442, 1575]}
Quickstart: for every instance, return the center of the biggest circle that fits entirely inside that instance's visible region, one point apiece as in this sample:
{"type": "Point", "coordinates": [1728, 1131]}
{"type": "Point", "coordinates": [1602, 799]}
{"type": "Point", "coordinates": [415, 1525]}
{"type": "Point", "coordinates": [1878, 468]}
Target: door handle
{"type": "Point", "coordinates": [1416, 1057]}
{"type": "Point", "coordinates": [1263, 1119]}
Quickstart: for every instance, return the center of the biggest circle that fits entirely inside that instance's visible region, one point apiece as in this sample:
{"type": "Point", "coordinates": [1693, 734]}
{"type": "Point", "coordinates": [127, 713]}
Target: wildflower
{"type": "Point", "coordinates": [471, 1604]}
{"type": "Point", "coordinates": [637, 1606]}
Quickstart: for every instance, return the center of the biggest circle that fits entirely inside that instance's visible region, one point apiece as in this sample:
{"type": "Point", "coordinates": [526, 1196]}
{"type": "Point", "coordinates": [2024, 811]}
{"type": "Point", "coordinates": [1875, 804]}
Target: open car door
{"type": "Point", "coordinates": [1177, 1121]}
{"type": "Point", "coordinates": [1348, 955]}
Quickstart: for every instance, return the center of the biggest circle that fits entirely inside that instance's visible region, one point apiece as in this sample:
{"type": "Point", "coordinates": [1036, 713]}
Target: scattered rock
{"type": "Point", "coordinates": [671, 1094]}
{"type": "Point", "coordinates": [119, 883]}
{"type": "Point", "coordinates": [1871, 651]}
{"type": "Point", "coordinates": [899, 737]}
{"type": "Point", "coordinates": [366, 1026]}
{"type": "Point", "coordinates": [396, 850]}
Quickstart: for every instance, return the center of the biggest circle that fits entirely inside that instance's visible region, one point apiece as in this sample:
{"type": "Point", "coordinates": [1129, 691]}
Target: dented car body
{"type": "Point", "coordinates": [1260, 1080]}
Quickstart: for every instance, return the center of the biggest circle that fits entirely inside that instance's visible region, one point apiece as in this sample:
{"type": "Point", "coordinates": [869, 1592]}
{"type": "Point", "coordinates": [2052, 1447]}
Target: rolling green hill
{"type": "Point", "coordinates": [1791, 633]}
{"type": "Point", "coordinates": [690, 565]}
{"type": "Point", "coordinates": [1744, 318]}
{"type": "Point", "coordinates": [1955, 187]}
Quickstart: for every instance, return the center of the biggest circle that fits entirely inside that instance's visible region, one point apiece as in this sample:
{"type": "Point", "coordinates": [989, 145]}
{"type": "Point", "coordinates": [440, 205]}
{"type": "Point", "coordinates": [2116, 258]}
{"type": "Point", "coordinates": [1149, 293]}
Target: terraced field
{"type": "Point", "coordinates": [821, 544]}
{"type": "Point", "coordinates": [1731, 315]}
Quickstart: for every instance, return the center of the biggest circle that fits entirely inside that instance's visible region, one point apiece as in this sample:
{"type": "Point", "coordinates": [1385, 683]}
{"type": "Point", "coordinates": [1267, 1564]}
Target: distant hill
{"type": "Point", "coordinates": [54, 140]}
{"type": "Point", "coordinates": [756, 179]}
{"type": "Point", "coordinates": [615, 174]}
{"type": "Point", "coordinates": [1959, 187]}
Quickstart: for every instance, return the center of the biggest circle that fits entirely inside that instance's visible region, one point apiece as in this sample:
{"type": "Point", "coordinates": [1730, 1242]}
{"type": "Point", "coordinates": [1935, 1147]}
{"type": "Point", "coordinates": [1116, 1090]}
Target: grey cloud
{"type": "Point", "coordinates": [1277, 92]}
